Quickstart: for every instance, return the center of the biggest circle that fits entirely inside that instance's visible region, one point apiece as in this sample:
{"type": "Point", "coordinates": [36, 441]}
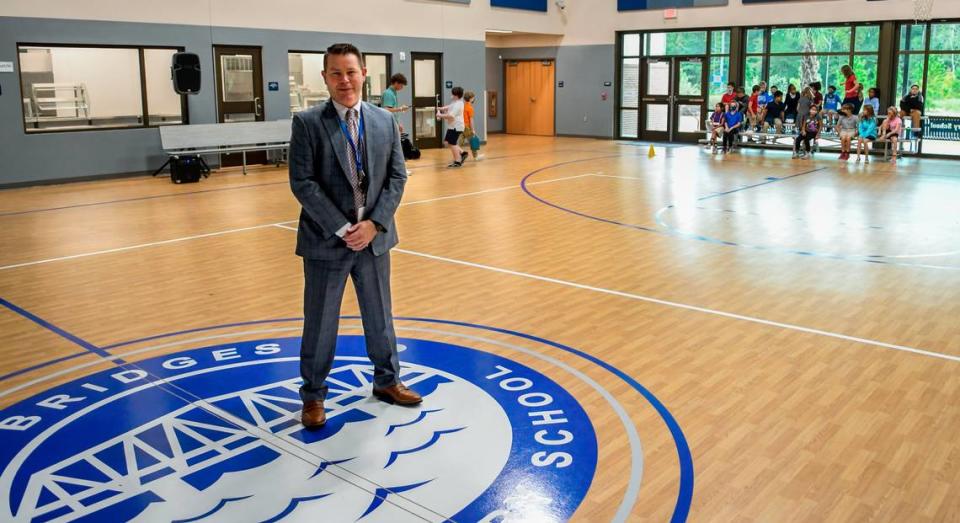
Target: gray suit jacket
{"type": "Point", "coordinates": [318, 165]}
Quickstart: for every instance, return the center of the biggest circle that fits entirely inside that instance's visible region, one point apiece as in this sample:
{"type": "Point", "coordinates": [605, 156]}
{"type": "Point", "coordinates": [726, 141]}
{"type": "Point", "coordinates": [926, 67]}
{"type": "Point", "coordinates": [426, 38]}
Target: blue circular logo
{"type": "Point", "coordinates": [213, 434]}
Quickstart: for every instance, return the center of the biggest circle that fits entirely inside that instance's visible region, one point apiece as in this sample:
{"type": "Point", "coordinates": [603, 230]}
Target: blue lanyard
{"type": "Point", "coordinates": [355, 147]}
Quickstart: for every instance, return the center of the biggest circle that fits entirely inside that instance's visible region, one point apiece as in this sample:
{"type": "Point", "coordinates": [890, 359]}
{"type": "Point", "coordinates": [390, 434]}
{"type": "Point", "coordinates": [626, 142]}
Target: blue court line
{"type": "Point", "coordinates": [523, 186]}
{"type": "Point", "coordinates": [755, 185]}
{"type": "Point", "coordinates": [109, 202]}
{"type": "Point", "coordinates": [869, 258]}
{"type": "Point", "coordinates": [685, 493]}
{"type": "Point", "coordinates": [89, 347]}
{"type": "Point", "coordinates": [669, 231]}
{"type": "Point", "coordinates": [142, 198]}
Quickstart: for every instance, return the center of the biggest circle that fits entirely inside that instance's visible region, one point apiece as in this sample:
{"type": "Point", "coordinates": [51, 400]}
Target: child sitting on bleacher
{"type": "Point", "coordinates": [831, 106]}
{"type": "Point", "coordinates": [873, 99]}
{"type": "Point", "coordinates": [867, 130]}
{"type": "Point", "coordinates": [809, 126]}
{"type": "Point", "coordinates": [847, 126]}
{"type": "Point", "coordinates": [817, 95]}
{"type": "Point", "coordinates": [743, 101]}
{"type": "Point", "coordinates": [717, 120]}
{"type": "Point", "coordinates": [890, 130]}
{"type": "Point", "coordinates": [774, 114]}
{"type": "Point", "coordinates": [733, 122]}
{"type": "Point", "coordinates": [753, 109]}
{"type": "Point", "coordinates": [790, 101]}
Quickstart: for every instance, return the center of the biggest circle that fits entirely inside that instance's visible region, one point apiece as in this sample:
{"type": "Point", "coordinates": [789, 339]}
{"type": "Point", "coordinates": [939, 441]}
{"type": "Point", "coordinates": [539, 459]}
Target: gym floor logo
{"type": "Point", "coordinates": [213, 434]}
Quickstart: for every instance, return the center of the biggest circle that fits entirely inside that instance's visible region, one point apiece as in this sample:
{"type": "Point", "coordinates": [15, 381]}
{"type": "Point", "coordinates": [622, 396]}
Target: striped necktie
{"type": "Point", "coordinates": [354, 174]}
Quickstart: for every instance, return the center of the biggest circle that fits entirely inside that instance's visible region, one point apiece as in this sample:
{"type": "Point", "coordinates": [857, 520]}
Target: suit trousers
{"type": "Point", "coordinates": [325, 281]}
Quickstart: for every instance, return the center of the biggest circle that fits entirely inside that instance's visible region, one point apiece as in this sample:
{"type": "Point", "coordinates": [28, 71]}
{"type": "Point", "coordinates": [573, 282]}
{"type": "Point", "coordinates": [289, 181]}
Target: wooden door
{"type": "Point", "coordinates": [530, 96]}
{"type": "Point", "coordinates": [239, 93]}
{"type": "Point", "coordinates": [427, 73]}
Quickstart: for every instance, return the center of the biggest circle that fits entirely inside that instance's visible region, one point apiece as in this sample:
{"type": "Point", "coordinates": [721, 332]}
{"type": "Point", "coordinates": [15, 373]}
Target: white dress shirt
{"type": "Point", "coordinates": [342, 113]}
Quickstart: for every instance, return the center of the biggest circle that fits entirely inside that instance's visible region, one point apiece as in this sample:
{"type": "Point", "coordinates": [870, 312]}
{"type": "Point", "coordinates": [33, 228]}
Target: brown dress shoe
{"type": "Point", "coordinates": [313, 416]}
{"type": "Point", "coordinates": [398, 394]}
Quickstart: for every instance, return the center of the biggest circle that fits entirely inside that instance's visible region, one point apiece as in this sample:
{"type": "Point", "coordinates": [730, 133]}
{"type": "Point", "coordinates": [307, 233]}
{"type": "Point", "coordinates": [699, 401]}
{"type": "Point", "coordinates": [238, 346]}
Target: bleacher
{"type": "Point", "coordinates": [908, 144]}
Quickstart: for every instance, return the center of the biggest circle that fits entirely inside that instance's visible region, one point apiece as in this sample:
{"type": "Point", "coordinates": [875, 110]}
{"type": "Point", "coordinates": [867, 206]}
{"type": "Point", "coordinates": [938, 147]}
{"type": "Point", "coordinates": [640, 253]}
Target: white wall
{"type": "Point", "coordinates": [590, 22]}
{"type": "Point", "coordinates": [421, 18]}
{"type": "Point", "coordinates": [584, 22]}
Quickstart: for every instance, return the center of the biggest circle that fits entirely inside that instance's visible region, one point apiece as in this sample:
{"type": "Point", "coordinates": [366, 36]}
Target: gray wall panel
{"type": "Point", "coordinates": [583, 70]}
{"type": "Point", "coordinates": [53, 156]}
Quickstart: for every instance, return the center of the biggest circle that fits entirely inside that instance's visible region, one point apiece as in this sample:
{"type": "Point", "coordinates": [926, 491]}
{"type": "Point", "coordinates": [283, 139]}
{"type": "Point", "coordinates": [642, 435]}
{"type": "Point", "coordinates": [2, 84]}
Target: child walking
{"type": "Point", "coordinates": [453, 114]}
{"type": "Point", "coordinates": [470, 138]}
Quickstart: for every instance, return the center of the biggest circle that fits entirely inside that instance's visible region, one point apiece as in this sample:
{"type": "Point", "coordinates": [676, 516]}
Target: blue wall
{"type": "Point", "coordinates": [530, 5]}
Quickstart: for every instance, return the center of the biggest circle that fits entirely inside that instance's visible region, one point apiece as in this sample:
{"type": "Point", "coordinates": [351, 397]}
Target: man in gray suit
{"type": "Point", "coordinates": [347, 172]}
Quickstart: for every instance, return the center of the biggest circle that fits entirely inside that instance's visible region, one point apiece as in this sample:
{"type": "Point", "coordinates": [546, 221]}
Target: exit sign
{"type": "Point", "coordinates": [670, 14]}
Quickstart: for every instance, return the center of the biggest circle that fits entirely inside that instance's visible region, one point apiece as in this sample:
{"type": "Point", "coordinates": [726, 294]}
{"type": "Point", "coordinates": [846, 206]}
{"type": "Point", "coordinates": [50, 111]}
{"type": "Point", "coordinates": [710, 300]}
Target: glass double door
{"type": "Point", "coordinates": [673, 99]}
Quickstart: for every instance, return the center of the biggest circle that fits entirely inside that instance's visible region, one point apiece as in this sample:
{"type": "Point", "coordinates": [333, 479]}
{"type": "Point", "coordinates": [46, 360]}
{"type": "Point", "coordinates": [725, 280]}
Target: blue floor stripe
{"type": "Point", "coordinates": [684, 455]}
{"type": "Point", "coordinates": [57, 330]}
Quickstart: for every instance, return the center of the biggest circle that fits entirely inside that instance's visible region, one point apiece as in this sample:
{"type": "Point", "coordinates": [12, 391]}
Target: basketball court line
{"type": "Point", "coordinates": [243, 229]}
{"type": "Point", "coordinates": [285, 182]}
{"type": "Point", "coordinates": [138, 199]}
{"type": "Point", "coordinates": [521, 274]}
{"type": "Point", "coordinates": [89, 347]}
{"type": "Point", "coordinates": [685, 492]}
{"type": "Point", "coordinates": [684, 306]}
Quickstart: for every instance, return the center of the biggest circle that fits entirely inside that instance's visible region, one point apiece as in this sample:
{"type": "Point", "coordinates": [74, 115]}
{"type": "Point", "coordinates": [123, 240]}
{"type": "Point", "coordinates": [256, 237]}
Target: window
{"type": "Point", "coordinates": [913, 37]}
{"type": "Point", "coordinates": [79, 88]}
{"type": "Point", "coordinates": [164, 105]}
{"type": "Point", "coordinates": [752, 72]}
{"type": "Point", "coordinates": [930, 57]}
{"type": "Point", "coordinates": [755, 41]}
{"type": "Point", "coordinates": [307, 87]}
{"type": "Point", "coordinates": [378, 74]}
{"type": "Point", "coordinates": [629, 85]}
{"type": "Point", "coordinates": [675, 44]}
{"type": "Point", "coordinates": [868, 38]}
{"type": "Point", "coordinates": [719, 42]}
{"type": "Point", "coordinates": [810, 40]}
{"type": "Point", "coordinates": [629, 96]}
{"type": "Point", "coordinates": [801, 55]}
{"type": "Point", "coordinates": [719, 72]}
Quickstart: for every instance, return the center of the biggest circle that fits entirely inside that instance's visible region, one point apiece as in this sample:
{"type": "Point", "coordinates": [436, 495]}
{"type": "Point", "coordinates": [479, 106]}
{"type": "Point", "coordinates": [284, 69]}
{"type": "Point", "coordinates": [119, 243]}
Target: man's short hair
{"type": "Point", "coordinates": [398, 79]}
{"type": "Point", "coordinates": [342, 49]}
{"type": "Point", "coordinates": [457, 91]}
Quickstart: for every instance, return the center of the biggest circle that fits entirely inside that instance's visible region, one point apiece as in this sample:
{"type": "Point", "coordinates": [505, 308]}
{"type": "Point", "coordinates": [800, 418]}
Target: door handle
{"type": "Point", "coordinates": [532, 99]}
{"type": "Point", "coordinates": [257, 107]}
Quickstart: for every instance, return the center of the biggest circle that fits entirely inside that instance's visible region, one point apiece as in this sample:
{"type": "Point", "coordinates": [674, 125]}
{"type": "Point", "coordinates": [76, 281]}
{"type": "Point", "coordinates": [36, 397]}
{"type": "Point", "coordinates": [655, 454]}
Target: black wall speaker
{"type": "Point", "coordinates": [186, 73]}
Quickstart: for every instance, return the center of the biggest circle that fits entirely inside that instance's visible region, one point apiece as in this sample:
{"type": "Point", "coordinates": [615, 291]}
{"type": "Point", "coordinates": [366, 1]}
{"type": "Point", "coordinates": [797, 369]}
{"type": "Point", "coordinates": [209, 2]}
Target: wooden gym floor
{"type": "Point", "coordinates": [798, 320]}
